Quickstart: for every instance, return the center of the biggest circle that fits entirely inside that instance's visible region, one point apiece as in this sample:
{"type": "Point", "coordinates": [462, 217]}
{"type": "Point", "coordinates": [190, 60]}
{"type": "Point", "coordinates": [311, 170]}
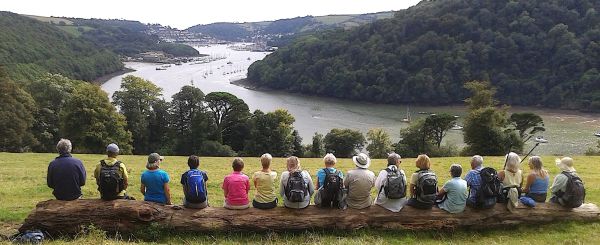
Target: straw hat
{"type": "Point", "coordinates": [565, 164]}
{"type": "Point", "coordinates": [362, 160]}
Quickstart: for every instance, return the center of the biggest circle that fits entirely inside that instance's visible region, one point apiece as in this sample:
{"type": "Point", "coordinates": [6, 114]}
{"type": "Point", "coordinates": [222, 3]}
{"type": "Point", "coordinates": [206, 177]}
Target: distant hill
{"type": "Point", "coordinates": [124, 37]}
{"type": "Point", "coordinates": [274, 30]}
{"type": "Point", "coordinates": [29, 48]}
{"type": "Point", "coordinates": [536, 52]}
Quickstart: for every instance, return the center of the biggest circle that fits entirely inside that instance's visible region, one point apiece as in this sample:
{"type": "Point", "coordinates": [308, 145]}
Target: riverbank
{"type": "Point", "coordinates": [245, 83]}
{"type": "Point", "coordinates": [101, 80]}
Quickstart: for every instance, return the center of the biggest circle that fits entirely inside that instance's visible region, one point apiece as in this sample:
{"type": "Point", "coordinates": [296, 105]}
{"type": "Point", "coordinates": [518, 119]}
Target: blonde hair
{"type": "Point", "coordinates": [329, 159]}
{"type": "Point", "coordinates": [513, 162]}
{"type": "Point", "coordinates": [537, 166]}
{"type": "Point", "coordinates": [265, 160]}
{"type": "Point", "coordinates": [423, 162]}
{"type": "Point", "coordinates": [293, 164]}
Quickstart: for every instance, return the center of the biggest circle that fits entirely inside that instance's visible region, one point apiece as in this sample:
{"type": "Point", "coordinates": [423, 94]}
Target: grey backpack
{"type": "Point", "coordinates": [395, 187]}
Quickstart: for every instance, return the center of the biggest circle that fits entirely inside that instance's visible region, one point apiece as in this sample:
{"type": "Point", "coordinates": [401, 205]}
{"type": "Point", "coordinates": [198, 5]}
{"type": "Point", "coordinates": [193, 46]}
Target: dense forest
{"type": "Point", "coordinates": [128, 38]}
{"type": "Point", "coordinates": [537, 52]}
{"type": "Point", "coordinates": [279, 32]}
{"type": "Point", "coordinates": [30, 48]}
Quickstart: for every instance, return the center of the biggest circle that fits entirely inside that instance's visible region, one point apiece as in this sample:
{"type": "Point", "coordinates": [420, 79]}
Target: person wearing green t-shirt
{"type": "Point", "coordinates": [264, 182]}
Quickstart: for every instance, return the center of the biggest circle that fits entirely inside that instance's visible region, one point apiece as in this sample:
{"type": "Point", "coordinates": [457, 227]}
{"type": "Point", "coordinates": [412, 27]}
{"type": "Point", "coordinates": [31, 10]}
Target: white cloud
{"type": "Point", "coordinates": [183, 14]}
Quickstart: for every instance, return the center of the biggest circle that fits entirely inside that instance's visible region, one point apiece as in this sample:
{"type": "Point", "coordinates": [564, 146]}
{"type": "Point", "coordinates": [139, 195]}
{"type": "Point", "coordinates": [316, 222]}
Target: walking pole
{"type": "Point", "coordinates": [536, 145]}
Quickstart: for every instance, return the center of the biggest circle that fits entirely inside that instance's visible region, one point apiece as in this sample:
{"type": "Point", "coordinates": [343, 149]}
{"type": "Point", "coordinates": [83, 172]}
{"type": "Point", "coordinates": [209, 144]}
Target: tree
{"type": "Point", "coordinates": [485, 130]}
{"type": "Point", "coordinates": [379, 143]}
{"type": "Point", "coordinates": [135, 100]}
{"type": "Point", "coordinates": [91, 122]}
{"type": "Point", "coordinates": [317, 149]}
{"type": "Point", "coordinates": [50, 93]}
{"type": "Point", "coordinates": [414, 140]}
{"type": "Point", "coordinates": [298, 148]}
{"type": "Point", "coordinates": [189, 120]}
{"type": "Point", "coordinates": [16, 119]}
{"type": "Point", "coordinates": [160, 136]}
{"type": "Point", "coordinates": [344, 142]}
{"type": "Point", "coordinates": [230, 115]}
{"type": "Point", "coordinates": [438, 125]}
{"type": "Point", "coordinates": [527, 124]}
{"type": "Point", "coordinates": [272, 132]}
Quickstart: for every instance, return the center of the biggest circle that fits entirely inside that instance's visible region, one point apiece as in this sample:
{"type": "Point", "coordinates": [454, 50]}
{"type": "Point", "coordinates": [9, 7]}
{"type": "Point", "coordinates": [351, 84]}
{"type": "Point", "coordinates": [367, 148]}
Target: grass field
{"type": "Point", "coordinates": [23, 181]}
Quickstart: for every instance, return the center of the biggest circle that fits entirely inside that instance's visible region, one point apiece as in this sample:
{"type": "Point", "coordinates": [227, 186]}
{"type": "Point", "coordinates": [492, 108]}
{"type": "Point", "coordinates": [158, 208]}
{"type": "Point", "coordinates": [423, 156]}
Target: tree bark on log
{"type": "Point", "coordinates": [125, 216]}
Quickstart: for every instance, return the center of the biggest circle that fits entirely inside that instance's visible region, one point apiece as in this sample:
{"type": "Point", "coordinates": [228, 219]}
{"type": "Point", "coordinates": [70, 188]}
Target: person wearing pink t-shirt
{"type": "Point", "coordinates": [236, 187]}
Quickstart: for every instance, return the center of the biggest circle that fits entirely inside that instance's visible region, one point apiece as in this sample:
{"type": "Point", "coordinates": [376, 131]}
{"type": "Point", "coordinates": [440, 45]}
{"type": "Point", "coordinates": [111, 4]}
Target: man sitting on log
{"type": "Point", "coordinates": [453, 194]}
{"type": "Point", "coordinates": [359, 182]}
{"type": "Point", "coordinates": [66, 174]}
{"type": "Point", "coordinates": [194, 185]}
{"type": "Point", "coordinates": [478, 199]}
{"type": "Point", "coordinates": [111, 176]}
{"type": "Point", "coordinates": [567, 189]}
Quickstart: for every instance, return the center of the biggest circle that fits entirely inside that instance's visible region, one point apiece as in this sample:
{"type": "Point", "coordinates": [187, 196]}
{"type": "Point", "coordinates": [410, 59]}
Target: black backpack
{"type": "Point", "coordinates": [574, 194]}
{"type": "Point", "coordinates": [395, 187]}
{"type": "Point", "coordinates": [110, 182]}
{"type": "Point", "coordinates": [296, 187]}
{"type": "Point", "coordinates": [332, 186]}
{"type": "Point", "coordinates": [426, 186]}
{"type": "Point", "coordinates": [490, 187]}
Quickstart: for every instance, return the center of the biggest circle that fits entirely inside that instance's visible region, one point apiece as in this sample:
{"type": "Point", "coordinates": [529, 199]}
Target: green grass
{"type": "Point", "coordinates": [22, 177]}
{"type": "Point", "coordinates": [51, 20]}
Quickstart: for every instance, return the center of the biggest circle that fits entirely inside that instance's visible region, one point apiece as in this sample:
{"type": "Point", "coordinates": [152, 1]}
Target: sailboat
{"type": "Point", "coordinates": [407, 118]}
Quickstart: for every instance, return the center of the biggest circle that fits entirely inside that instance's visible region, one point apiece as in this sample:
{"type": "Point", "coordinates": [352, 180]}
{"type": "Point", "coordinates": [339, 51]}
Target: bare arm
{"type": "Point", "coordinates": [530, 180]}
{"type": "Point", "coordinates": [501, 175]}
{"type": "Point", "coordinates": [143, 189]}
{"type": "Point", "coordinates": [167, 193]}
{"type": "Point", "coordinates": [413, 189]}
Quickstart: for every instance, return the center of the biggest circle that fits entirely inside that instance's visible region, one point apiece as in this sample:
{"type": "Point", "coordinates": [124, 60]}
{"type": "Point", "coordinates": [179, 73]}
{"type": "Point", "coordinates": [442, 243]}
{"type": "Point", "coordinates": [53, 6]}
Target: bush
{"type": "Point", "coordinates": [216, 149]}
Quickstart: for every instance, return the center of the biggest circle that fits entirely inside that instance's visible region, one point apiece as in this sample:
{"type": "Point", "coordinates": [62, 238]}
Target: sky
{"type": "Point", "coordinates": [183, 14]}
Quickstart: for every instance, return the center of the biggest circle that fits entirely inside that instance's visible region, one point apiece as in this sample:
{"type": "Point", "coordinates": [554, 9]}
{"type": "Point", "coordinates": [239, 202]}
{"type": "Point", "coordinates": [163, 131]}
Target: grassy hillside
{"type": "Point", "coordinates": [29, 48]}
{"type": "Point", "coordinates": [24, 185]}
{"type": "Point", "coordinates": [537, 53]}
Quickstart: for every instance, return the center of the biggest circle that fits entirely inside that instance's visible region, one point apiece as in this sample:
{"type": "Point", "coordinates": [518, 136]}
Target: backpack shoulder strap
{"type": "Point", "coordinates": [102, 163]}
{"type": "Point", "coordinates": [118, 164]}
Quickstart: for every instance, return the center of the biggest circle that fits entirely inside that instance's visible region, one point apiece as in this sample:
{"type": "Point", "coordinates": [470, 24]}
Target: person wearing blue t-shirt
{"type": "Point", "coordinates": [454, 193]}
{"type": "Point", "coordinates": [321, 198]}
{"type": "Point", "coordinates": [155, 182]}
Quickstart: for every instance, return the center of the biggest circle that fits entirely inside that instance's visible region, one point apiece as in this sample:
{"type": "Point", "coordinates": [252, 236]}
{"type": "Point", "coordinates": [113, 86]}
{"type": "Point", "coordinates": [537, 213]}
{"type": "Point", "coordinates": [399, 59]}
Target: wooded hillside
{"type": "Point", "coordinates": [538, 52]}
{"type": "Point", "coordinates": [30, 48]}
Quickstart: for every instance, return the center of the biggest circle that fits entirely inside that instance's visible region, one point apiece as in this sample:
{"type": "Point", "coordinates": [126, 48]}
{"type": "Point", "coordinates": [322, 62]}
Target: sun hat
{"type": "Point", "coordinates": [114, 148]}
{"type": "Point", "coordinates": [153, 157]}
{"type": "Point", "coordinates": [565, 164]}
{"type": "Point", "coordinates": [362, 160]}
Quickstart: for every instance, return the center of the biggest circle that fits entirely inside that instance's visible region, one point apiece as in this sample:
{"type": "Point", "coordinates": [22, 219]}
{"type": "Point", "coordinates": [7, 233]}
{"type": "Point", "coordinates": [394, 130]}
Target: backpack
{"type": "Point", "coordinates": [490, 187]}
{"type": "Point", "coordinates": [574, 194]}
{"type": "Point", "coordinates": [426, 186]}
{"type": "Point", "coordinates": [395, 187]}
{"type": "Point", "coordinates": [296, 187]}
{"type": "Point", "coordinates": [111, 183]}
{"type": "Point", "coordinates": [195, 191]}
{"type": "Point", "coordinates": [332, 186]}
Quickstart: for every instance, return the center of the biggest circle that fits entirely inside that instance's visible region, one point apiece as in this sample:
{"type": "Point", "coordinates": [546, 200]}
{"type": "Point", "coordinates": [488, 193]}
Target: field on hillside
{"type": "Point", "coordinates": [23, 181]}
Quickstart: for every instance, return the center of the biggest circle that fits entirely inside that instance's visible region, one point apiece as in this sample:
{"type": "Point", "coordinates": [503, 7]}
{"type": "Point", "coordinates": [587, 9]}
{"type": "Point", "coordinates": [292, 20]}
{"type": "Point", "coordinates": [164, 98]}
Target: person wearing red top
{"type": "Point", "coordinates": [236, 187]}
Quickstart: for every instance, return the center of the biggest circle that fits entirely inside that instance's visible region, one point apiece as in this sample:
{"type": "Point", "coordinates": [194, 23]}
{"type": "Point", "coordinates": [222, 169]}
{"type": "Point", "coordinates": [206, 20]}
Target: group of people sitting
{"type": "Point", "coordinates": [482, 187]}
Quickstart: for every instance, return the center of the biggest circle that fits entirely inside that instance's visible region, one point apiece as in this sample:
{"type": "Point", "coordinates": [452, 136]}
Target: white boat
{"type": "Point", "coordinates": [160, 68]}
{"type": "Point", "coordinates": [597, 134]}
{"type": "Point", "coordinates": [540, 139]}
{"type": "Point", "coordinates": [407, 118]}
{"type": "Point", "coordinates": [457, 127]}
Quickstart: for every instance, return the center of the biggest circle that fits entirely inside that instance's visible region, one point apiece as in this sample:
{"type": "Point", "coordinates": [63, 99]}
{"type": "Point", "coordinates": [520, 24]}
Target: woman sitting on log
{"type": "Point", "coordinates": [296, 186]}
{"type": "Point", "coordinates": [512, 179]}
{"type": "Point", "coordinates": [264, 182]}
{"type": "Point", "coordinates": [236, 187]}
{"type": "Point", "coordinates": [537, 180]}
{"type": "Point", "coordinates": [423, 185]}
{"type": "Point", "coordinates": [155, 182]}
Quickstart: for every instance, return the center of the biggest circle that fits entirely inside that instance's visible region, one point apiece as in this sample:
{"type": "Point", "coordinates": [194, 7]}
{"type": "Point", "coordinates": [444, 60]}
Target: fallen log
{"type": "Point", "coordinates": [124, 216]}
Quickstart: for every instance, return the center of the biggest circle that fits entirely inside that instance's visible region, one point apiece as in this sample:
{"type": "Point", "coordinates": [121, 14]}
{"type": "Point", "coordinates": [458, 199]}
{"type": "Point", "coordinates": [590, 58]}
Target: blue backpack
{"type": "Point", "coordinates": [195, 191]}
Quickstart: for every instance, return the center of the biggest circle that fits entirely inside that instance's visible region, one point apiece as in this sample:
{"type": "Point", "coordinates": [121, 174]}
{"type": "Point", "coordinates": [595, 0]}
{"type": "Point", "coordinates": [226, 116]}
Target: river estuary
{"type": "Point", "coordinates": [568, 132]}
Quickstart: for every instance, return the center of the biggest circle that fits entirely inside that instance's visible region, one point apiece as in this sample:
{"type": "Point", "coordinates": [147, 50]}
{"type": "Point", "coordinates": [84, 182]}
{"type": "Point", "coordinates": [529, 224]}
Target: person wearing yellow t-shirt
{"type": "Point", "coordinates": [111, 176]}
{"type": "Point", "coordinates": [264, 182]}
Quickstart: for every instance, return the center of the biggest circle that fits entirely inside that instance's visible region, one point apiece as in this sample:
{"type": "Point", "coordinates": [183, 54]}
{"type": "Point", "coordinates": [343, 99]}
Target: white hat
{"type": "Point", "coordinates": [362, 160]}
{"type": "Point", "coordinates": [565, 164]}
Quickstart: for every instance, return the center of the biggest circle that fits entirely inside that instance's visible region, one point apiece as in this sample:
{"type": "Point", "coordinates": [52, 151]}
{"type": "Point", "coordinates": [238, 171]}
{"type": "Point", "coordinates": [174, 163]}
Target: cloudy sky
{"type": "Point", "coordinates": [183, 14]}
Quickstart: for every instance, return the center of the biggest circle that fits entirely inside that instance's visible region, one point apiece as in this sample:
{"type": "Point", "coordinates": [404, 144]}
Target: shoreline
{"type": "Point", "coordinates": [101, 80]}
{"type": "Point", "coordinates": [245, 83]}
